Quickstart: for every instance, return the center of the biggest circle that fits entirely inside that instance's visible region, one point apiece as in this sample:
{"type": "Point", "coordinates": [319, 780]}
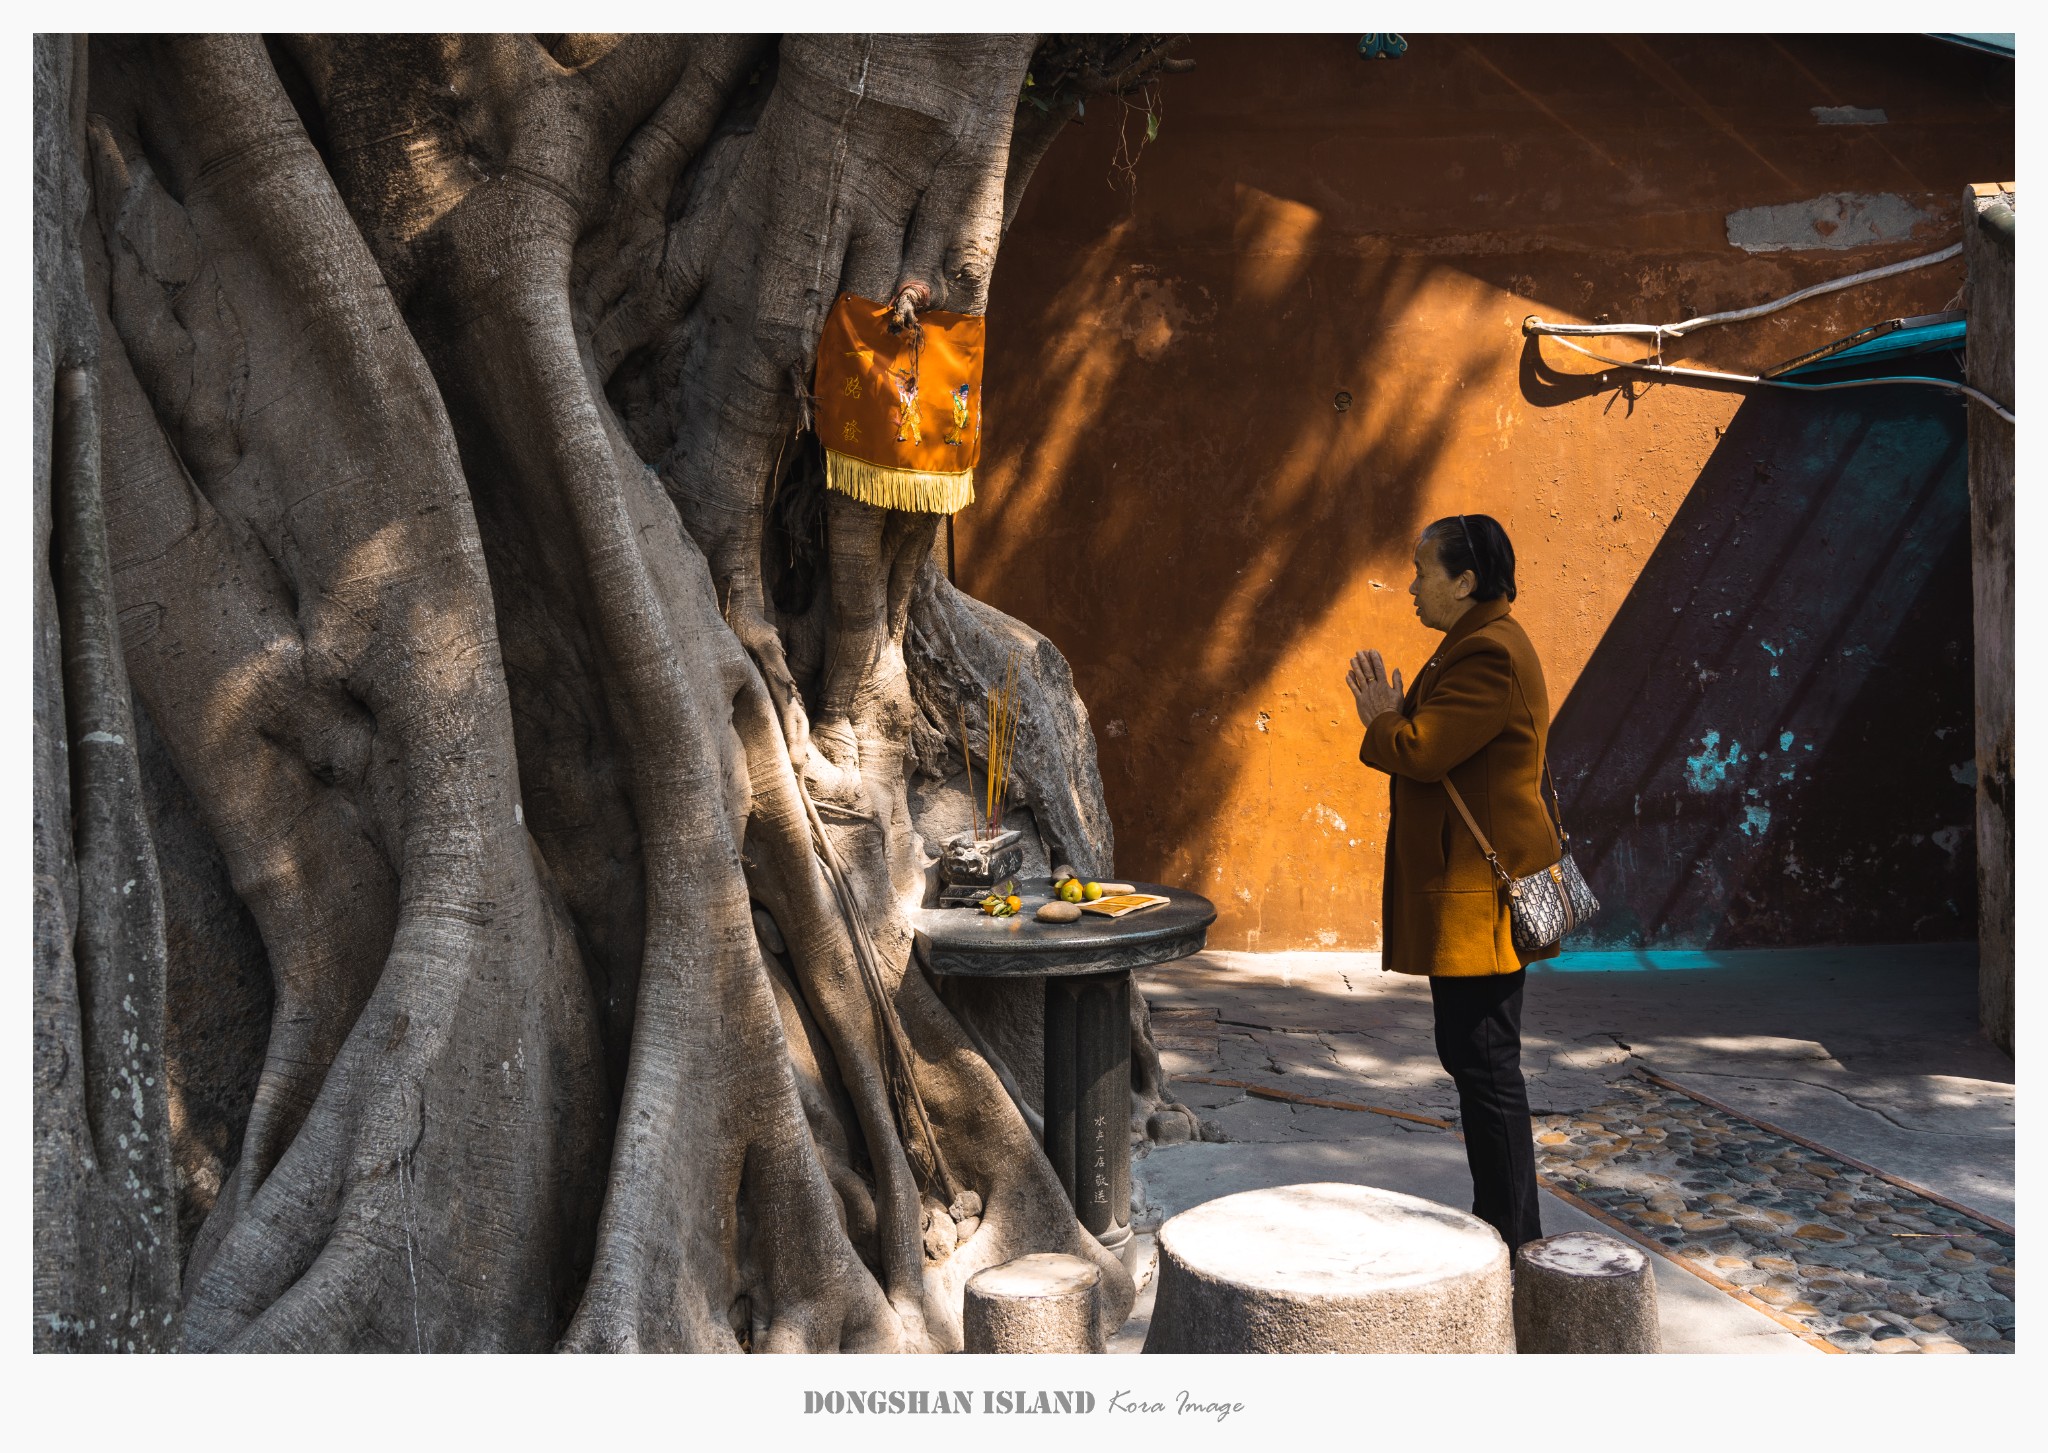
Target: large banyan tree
{"type": "Point", "coordinates": [480, 767]}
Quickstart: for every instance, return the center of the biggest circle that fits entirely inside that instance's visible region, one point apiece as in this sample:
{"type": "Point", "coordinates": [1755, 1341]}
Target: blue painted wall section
{"type": "Point", "coordinates": [1772, 743]}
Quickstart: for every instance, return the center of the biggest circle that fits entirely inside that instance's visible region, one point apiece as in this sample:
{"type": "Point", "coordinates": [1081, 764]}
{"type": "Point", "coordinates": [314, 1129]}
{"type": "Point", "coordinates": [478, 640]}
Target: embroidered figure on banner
{"type": "Point", "coordinates": [908, 429]}
{"type": "Point", "coordinates": [959, 416]}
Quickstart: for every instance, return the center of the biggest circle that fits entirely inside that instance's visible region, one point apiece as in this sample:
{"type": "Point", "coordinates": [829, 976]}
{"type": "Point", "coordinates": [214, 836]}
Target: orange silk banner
{"type": "Point", "coordinates": [908, 401]}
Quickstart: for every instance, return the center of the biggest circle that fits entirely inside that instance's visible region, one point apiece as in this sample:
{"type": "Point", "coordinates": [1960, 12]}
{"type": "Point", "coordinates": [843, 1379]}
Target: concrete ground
{"type": "Point", "coordinates": [1873, 1052]}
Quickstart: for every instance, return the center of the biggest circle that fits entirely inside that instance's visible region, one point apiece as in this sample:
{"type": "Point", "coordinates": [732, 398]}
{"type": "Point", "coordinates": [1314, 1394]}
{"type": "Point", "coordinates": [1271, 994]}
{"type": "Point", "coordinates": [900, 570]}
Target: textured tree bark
{"type": "Point", "coordinates": [106, 1236]}
{"type": "Point", "coordinates": [446, 430]}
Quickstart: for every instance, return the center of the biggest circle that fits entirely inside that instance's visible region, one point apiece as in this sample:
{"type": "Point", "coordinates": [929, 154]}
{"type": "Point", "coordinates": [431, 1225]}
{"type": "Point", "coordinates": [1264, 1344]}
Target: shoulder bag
{"type": "Point", "coordinates": [1549, 903]}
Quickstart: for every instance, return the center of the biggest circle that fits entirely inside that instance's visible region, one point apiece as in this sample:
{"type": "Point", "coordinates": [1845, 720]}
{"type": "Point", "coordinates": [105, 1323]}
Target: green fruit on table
{"type": "Point", "coordinates": [1071, 891]}
{"type": "Point", "coordinates": [1092, 892]}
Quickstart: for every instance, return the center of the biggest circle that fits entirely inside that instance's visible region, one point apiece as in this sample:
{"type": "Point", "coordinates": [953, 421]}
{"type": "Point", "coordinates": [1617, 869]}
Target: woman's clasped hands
{"type": "Point", "coordinates": [1373, 691]}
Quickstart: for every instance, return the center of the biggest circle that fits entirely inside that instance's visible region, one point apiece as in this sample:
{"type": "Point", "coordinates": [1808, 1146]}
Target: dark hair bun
{"type": "Point", "coordinates": [1476, 543]}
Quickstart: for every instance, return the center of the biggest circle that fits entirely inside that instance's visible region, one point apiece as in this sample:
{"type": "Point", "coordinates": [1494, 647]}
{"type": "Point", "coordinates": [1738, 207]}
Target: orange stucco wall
{"type": "Point", "coordinates": [1170, 492]}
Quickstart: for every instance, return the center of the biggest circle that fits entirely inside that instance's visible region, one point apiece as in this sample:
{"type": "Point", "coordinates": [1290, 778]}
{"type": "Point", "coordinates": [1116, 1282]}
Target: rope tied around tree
{"type": "Point", "coordinates": [912, 297]}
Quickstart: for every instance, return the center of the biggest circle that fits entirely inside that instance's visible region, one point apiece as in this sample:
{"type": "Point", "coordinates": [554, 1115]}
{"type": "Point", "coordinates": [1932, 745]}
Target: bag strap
{"type": "Point", "coordinates": [1556, 816]}
{"type": "Point", "coordinates": [1485, 847]}
{"type": "Point", "coordinates": [1564, 839]}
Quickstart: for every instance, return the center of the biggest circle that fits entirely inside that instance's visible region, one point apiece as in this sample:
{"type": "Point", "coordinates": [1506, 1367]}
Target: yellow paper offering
{"type": "Point", "coordinates": [1123, 903]}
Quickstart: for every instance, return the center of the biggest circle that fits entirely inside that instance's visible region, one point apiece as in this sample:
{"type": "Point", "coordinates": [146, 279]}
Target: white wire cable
{"type": "Point", "coordinates": [1672, 370]}
{"type": "Point", "coordinates": [1534, 324]}
{"type": "Point", "coordinates": [1565, 332]}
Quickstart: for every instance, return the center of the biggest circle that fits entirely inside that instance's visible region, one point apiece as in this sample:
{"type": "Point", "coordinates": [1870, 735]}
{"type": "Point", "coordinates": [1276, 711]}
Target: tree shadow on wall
{"type": "Point", "coordinates": [1223, 535]}
{"type": "Point", "coordinates": [1771, 743]}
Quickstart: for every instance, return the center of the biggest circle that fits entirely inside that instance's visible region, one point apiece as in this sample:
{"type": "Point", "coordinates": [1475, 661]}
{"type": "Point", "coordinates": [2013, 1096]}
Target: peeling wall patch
{"type": "Point", "coordinates": [1965, 773]}
{"type": "Point", "coordinates": [1709, 769]}
{"type": "Point", "coordinates": [1850, 115]}
{"type": "Point", "coordinates": [1835, 222]}
{"type": "Point", "coordinates": [1756, 821]}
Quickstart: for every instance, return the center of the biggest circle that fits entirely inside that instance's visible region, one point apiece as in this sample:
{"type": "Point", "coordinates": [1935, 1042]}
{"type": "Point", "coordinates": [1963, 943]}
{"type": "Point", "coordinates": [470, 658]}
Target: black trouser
{"type": "Point", "coordinates": [1479, 1041]}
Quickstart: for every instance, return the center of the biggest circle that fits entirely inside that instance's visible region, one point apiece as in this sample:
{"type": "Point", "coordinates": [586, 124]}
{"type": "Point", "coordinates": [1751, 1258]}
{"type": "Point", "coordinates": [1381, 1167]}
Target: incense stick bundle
{"type": "Point", "coordinates": [1009, 740]}
{"type": "Point", "coordinates": [995, 753]}
{"type": "Point", "coordinates": [1002, 732]}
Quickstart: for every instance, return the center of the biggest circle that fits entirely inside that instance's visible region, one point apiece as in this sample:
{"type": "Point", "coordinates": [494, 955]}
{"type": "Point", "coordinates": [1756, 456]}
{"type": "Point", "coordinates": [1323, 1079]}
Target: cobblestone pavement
{"type": "Point", "coordinates": [1867, 1265]}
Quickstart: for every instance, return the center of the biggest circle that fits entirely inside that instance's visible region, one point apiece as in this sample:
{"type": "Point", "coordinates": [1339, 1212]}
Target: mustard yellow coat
{"type": "Point", "coordinates": [1479, 713]}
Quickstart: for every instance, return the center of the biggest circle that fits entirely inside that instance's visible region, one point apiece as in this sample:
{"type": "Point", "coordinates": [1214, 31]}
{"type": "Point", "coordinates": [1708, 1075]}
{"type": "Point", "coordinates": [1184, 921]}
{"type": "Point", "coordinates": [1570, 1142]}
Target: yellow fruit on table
{"type": "Point", "coordinates": [1070, 891]}
{"type": "Point", "coordinates": [1092, 892]}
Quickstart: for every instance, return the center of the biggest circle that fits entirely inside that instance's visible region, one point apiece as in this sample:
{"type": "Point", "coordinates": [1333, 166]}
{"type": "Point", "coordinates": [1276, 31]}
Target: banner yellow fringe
{"type": "Point", "coordinates": [898, 489]}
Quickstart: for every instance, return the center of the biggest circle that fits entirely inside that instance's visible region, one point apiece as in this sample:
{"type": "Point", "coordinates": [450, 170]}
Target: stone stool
{"type": "Point", "coordinates": [1039, 1303]}
{"type": "Point", "coordinates": [1584, 1292]}
{"type": "Point", "coordinates": [1330, 1268]}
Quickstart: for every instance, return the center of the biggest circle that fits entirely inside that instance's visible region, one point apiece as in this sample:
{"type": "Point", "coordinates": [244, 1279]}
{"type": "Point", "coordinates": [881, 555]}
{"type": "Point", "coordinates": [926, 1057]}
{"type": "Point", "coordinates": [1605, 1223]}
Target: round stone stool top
{"type": "Point", "coordinates": [1041, 1274]}
{"type": "Point", "coordinates": [1330, 1239]}
{"type": "Point", "coordinates": [1584, 1253]}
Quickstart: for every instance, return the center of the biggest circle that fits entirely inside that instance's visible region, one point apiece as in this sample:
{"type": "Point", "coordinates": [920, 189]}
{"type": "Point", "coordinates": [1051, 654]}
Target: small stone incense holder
{"type": "Point", "coordinates": [970, 866]}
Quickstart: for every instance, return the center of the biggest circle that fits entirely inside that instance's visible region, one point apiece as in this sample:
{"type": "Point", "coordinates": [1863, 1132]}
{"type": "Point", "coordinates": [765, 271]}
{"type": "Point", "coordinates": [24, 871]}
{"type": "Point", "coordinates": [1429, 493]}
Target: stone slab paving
{"type": "Point", "coordinates": [1870, 1051]}
{"type": "Point", "coordinates": [1867, 1264]}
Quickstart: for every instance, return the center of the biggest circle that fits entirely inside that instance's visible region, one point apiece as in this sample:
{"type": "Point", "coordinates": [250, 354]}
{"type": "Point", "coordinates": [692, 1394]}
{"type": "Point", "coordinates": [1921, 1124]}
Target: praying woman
{"type": "Point", "coordinates": [1477, 716]}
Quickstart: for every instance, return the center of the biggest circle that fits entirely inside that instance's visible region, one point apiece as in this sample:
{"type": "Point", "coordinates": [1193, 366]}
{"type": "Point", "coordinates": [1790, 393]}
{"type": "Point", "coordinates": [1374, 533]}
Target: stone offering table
{"type": "Point", "coordinates": [1086, 967]}
{"type": "Point", "coordinates": [1330, 1268]}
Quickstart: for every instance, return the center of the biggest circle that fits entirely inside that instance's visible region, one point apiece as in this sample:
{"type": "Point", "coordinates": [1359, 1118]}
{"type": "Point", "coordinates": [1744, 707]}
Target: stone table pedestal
{"type": "Point", "coordinates": [1086, 967]}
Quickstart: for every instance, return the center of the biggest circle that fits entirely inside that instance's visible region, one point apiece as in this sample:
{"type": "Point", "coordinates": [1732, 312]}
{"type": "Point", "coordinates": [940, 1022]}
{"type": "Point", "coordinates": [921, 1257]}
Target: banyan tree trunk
{"type": "Point", "coordinates": [451, 932]}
